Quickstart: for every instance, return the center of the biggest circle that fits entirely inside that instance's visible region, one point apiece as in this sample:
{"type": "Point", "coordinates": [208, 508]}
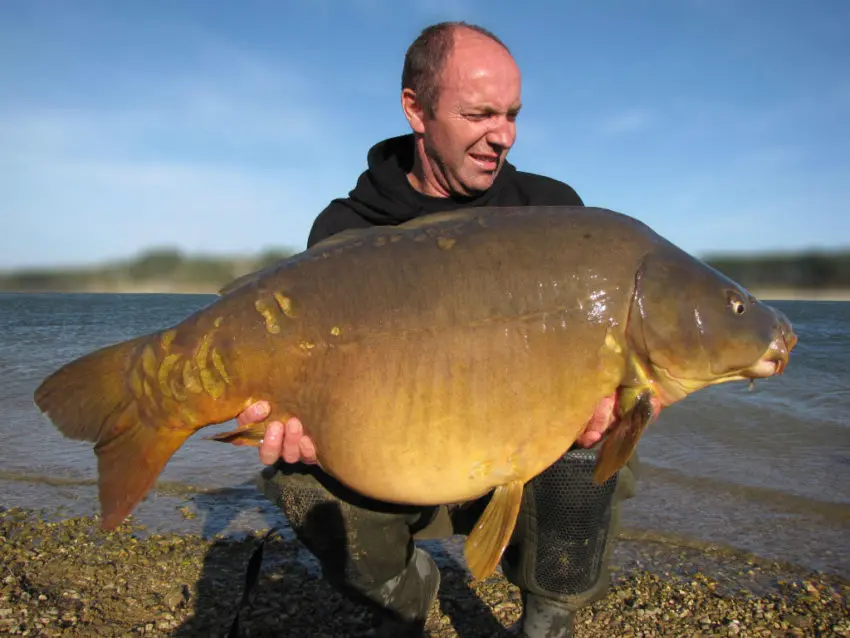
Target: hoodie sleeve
{"type": "Point", "coordinates": [336, 218]}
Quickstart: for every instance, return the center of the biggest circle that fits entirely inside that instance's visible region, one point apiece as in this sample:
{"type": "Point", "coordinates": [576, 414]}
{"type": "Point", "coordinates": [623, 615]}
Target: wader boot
{"type": "Point", "coordinates": [406, 599]}
{"type": "Point", "coordinates": [544, 618]}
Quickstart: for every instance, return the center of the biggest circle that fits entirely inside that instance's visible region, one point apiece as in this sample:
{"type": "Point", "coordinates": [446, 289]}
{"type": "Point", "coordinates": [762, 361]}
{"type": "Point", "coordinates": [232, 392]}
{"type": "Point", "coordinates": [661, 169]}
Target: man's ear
{"type": "Point", "coordinates": [413, 111]}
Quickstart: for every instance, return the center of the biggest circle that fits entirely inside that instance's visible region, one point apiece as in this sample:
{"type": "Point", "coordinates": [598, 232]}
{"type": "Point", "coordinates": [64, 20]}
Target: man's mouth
{"type": "Point", "coordinates": [486, 161]}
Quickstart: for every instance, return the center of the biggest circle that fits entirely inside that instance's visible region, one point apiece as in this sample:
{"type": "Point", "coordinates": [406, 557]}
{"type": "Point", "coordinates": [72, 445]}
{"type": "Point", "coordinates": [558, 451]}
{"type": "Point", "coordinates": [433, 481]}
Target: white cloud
{"type": "Point", "coordinates": [220, 162]}
{"type": "Point", "coordinates": [625, 122]}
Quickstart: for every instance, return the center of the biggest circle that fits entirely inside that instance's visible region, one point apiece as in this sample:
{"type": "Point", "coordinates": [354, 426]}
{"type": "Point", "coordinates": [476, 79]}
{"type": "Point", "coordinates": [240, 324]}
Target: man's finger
{"type": "Point", "coordinates": [254, 413]}
{"type": "Point", "coordinates": [269, 449]}
{"type": "Point", "coordinates": [589, 438]}
{"type": "Point", "coordinates": [291, 441]}
{"type": "Point", "coordinates": [308, 450]}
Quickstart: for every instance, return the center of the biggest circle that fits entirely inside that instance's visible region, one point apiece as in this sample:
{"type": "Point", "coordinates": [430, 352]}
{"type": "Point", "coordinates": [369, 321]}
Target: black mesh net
{"type": "Point", "coordinates": [573, 515]}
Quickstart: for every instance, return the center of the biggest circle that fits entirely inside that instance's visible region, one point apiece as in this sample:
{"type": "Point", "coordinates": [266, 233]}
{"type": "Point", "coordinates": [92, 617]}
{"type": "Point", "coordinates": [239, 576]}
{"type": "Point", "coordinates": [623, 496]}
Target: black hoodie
{"type": "Point", "coordinates": [384, 197]}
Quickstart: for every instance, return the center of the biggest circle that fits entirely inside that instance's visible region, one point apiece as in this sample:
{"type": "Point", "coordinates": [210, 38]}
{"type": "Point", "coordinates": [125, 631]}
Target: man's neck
{"type": "Point", "coordinates": [421, 176]}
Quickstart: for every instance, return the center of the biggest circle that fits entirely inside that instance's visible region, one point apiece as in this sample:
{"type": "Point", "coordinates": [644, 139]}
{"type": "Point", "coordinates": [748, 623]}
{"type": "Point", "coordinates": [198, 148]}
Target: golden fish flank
{"type": "Point", "coordinates": [445, 243]}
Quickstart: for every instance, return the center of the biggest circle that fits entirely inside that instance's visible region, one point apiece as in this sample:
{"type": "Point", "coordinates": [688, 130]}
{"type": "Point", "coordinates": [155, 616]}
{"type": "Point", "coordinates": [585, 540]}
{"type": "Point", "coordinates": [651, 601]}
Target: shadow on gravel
{"type": "Point", "coordinates": [269, 585]}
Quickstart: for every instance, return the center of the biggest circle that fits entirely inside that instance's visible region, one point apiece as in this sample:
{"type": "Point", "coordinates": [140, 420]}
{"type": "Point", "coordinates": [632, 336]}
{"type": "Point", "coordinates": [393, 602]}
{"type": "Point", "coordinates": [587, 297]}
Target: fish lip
{"type": "Point", "coordinates": [776, 357]}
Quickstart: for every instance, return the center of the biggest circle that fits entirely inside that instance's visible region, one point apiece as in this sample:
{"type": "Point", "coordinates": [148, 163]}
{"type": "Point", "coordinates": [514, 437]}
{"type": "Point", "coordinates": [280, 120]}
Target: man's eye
{"type": "Point", "coordinates": [478, 116]}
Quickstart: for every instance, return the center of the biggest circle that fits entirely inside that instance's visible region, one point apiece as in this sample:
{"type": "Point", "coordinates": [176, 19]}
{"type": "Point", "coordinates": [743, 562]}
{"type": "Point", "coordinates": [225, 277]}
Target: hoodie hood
{"type": "Point", "coordinates": [384, 196]}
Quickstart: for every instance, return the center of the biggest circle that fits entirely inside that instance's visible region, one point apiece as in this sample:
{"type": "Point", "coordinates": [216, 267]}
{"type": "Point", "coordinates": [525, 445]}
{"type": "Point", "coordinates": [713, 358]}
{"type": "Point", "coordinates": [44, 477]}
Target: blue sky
{"type": "Point", "coordinates": [225, 127]}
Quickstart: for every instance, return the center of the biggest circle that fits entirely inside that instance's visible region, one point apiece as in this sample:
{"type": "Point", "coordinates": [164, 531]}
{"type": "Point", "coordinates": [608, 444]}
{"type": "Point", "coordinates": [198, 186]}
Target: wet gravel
{"type": "Point", "coordinates": [69, 578]}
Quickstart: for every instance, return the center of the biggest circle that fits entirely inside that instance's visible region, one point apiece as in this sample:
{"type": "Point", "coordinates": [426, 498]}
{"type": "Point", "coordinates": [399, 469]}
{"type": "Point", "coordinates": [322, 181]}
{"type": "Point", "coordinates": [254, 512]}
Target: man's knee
{"type": "Point", "coordinates": [365, 547]}
{"type": "Point", "coordinates": [565, 530]}
{"type": "Point", "coordinates": [358, 542]}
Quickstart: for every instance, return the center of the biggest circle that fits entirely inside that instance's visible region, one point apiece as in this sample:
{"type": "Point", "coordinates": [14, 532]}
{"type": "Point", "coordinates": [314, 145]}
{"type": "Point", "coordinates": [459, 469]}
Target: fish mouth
{"type": "Point", "coordinates": [775, 359]}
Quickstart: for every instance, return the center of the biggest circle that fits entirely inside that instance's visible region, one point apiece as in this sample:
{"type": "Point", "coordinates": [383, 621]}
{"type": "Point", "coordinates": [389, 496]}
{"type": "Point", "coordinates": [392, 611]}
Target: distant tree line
{"type": "Point", "coordinates": [811, 271]}
{"type": "Point", "coordinates": [170, 269]}
{"type": "Point", "coordinates": [167, 268]}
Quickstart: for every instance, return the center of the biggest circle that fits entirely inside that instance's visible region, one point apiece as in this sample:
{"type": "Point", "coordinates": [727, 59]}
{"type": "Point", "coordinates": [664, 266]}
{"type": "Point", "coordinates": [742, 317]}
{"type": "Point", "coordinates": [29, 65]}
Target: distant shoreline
{"type": "Point", "coordinates": [802, 294]}
{"type": "Point", "coordinates": [160, 288]}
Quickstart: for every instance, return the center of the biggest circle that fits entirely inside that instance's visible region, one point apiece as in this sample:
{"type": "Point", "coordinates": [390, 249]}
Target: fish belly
{"type": "Point", "coordinates": [438, 417]}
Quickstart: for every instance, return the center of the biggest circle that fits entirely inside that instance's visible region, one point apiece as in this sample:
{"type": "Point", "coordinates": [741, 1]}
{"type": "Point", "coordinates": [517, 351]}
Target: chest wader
{"type": "Point", "coordinates": [557, 557]}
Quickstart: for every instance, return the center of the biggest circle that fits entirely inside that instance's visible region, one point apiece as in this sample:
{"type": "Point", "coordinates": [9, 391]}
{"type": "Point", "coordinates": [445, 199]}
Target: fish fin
{"type": "Point", "coordinates": [335, 240]}
{"type": "Point", "coordinates": [88, 399]}
{"type": "Point", "coordinates": [620, 442]}
{"type": "Point", "coordinates": [492, 532]}
{"type": "Point", "coordinates": [249, 434]}
{"type": "Point", "coordinates": [244, 280]}
{"type": "Point", "coordinates": [343, 237]}
{"type": "Point", "coordinates": [82, 397]}
{"type": "Point", "coordinates": [129, 463]}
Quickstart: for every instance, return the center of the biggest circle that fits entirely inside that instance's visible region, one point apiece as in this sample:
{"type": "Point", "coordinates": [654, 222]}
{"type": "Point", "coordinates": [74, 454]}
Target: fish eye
{"type": "Point", "coordinates": [737, 305]}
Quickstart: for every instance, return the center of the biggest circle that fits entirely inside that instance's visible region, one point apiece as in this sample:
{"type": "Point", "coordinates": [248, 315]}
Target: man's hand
{"type": "Point", "coordinates": [286, 442]}
{"type": "Point", "coordinates": [603, 418]}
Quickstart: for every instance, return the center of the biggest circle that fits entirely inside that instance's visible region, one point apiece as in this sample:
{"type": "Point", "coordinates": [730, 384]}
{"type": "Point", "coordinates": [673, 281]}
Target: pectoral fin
{"type": "Point", "coordinates": [492, 532]}
{"type": "Point", "coordinates": [249, 434]}
{"type": "Point", "coordinates": [635, 414]}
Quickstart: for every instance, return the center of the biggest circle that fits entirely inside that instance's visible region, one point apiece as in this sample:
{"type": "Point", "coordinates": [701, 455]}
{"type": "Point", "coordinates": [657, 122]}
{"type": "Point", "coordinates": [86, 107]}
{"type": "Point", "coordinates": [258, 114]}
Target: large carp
{"type": "Point", "coordinates": [432, 362]}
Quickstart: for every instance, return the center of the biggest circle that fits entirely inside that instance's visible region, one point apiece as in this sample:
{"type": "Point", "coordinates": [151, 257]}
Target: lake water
{"type": "Point", "coordinates": [766, 471]}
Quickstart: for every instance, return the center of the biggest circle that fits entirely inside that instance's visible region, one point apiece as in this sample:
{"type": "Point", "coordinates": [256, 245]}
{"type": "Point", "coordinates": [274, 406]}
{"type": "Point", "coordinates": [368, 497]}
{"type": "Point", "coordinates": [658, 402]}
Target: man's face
{"type": "Point", "coordinates": [474, 123]}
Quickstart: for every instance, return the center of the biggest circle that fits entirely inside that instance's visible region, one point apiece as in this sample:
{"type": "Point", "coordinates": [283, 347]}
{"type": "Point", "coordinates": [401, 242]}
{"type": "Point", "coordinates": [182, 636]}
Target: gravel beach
{"type": "Point", "coordinates": [69, 578]}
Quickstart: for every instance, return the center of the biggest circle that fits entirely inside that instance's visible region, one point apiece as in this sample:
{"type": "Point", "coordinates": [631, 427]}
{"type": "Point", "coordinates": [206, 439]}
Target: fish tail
{"type": "Point", "coordinates": [98, 398]}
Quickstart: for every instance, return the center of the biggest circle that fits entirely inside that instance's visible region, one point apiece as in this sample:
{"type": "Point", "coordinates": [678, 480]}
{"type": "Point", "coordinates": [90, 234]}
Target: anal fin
{"type": "Point", "coordinates": [493, 531]}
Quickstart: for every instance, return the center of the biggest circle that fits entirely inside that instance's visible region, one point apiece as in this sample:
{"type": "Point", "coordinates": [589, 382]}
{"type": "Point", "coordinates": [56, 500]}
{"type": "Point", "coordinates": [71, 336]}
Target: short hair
{"type": "Point", "coordinates": [426, 57]}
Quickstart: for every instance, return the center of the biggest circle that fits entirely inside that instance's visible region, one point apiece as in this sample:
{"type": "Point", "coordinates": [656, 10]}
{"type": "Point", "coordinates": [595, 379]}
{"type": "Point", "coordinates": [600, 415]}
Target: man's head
{"type": "Point", "coordinates": [461, 93]}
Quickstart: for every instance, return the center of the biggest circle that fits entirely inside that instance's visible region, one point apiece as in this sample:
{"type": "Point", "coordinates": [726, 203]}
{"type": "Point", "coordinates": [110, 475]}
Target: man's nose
{"type": "Point", "coordinates": [502, 134]}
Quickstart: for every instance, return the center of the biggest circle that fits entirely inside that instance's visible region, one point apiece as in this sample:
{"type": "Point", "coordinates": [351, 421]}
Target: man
{"type": "Point", "coordinates": [461, 97]}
